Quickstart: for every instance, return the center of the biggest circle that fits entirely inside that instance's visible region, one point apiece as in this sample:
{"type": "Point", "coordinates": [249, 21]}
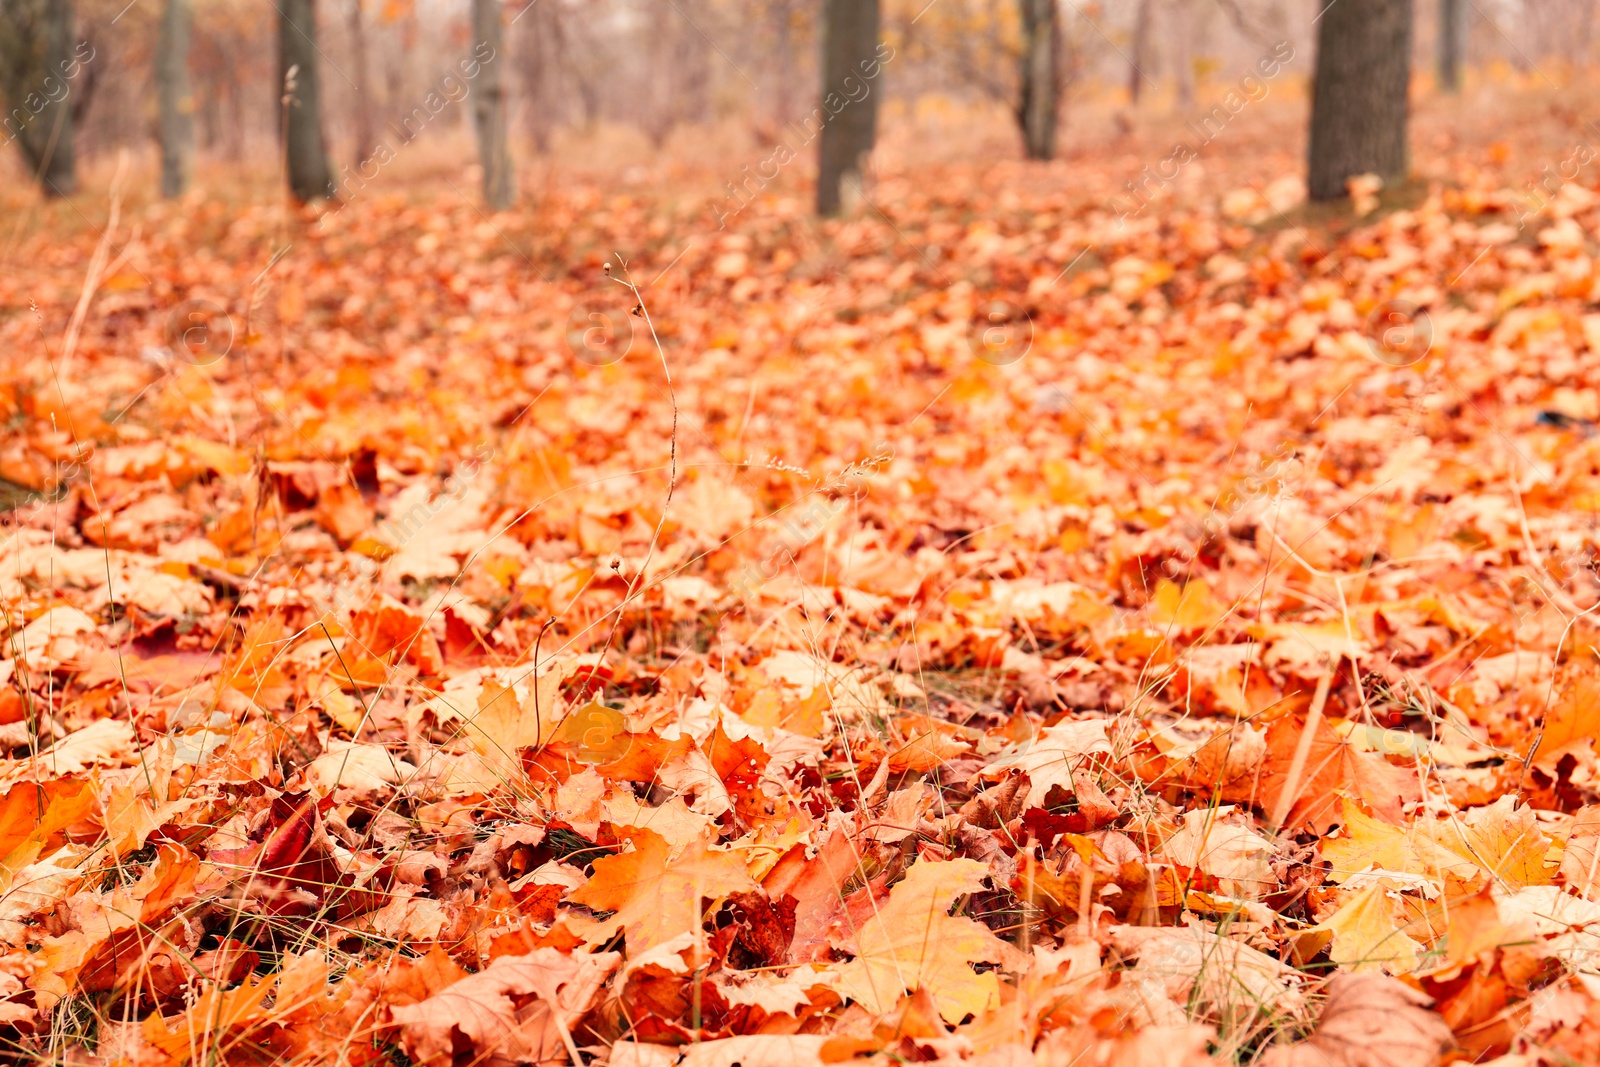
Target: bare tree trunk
{"type": "Point", "coordinates": [1452, 42]}
{"type": "Point", "coordinates": [1036, 111]}
{"type": "Point", "coordinates": [678, 86]}
{"type": "Point", "coordinates": [541, 52]}
{"type": "Point", "coordinates": [310, 175]}
{"type": "Point", "coordinates": [783, 101]}
{"type": "Point", "coordinates": [1141, 49]}
{"type": "Point", "coordinates": [849, 106]}
{"type": "Point", "coordinates": [1183, 24]}
{"type": "Point", "coordinates": [236, 112]}
{"type": "Point", "coordinates": [694, 52]}
{"type": "Point", "coordinates": [175, 99]}
{"type": "Point", "coordinates": [366, 136]}
{"type": "Point", "coordinates": [1359, 109]}
{"type": "Point", "coordinates": [396, 63]}
{"type": "Point", "coordinates": [37, 66]}
{"type": "Point", "coordinates": [662, 102]}
{"type": "Point", "coordinates": [1583, 40]}
{"type": "Point", "coordinates": [489, 105]}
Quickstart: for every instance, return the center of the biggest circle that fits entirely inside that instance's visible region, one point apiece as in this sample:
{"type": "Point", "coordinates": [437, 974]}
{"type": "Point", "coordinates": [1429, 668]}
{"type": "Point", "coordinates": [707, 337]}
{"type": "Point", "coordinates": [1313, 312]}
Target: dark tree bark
{"type": "Point", "coordinates": [1359, 106]}
{"type": "Point", "coordinates": [489, 105]}
{"type": "Point", "coordinates": [1452, 43]}
{"type": "Point", "coordinates": [310, 174]}
{"type": "Point", "coordinates": [849, 104]}
{"type": "Point", "coordinates": [38, 65]}
{"type": "Point", "coordinates": [1141, 48]}
{"type": "Point", "coordinates": [174, 97]}
{"type": "Point", "coordinates": [366, 135]}
{"type": "Point", "coordinates": [1036, 111]}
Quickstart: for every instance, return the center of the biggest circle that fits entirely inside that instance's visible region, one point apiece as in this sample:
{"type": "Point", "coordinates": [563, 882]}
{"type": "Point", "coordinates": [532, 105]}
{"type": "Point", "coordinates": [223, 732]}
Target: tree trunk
{"type": "Point", "coordinates": [1452, 43]}
{"type": "Point", "coordinates": [489, 105]}
{"type": "Point", "coordinates": [661, 103]}
{"type": "Point", "coordinates": [37, 66]}
{"type": "Point", "coordinates": [1359, 109]}
{"type": "Point", "coordinates": [783, 54]}
{"type": "Point", "coordinates": [1185, 27]}
{"type": "Point", "coordinates": [1036, 111]}
{"type": "Point", "coordinates": [694, 63]}
{"type": "Point", "coordinates": [541, 49]}
{"type": "Point", "coordinates": [849, 105]}
{"type": "Point", "coordinates": [310, 175]}
{"type": "Point", "coordinates": [175, 99]}
{"type": "Point", "coordinates": [677, 88]}
{"type": "Point", "coordinates": [1141, 47]}
{"type": "Point", "coordinates": [366, 136]}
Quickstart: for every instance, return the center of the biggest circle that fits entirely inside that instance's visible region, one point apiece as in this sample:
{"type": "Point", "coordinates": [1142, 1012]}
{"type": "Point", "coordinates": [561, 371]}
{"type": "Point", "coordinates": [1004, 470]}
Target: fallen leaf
{"type": "Point", "coordinates": [656, 899]}
{"type": "Point", "coordinates": [912, 941]}
{"type": "Point", "coordinates": [1049, 759]}
{"type": "Point", "coordinates": [492, 1011]}
{"type": "Point", "coordinates": [1368, 1021]}
{"type": "Point", "coordinates": [1367, 936]}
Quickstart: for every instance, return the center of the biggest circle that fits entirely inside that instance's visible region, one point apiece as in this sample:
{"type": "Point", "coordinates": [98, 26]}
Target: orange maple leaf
{"type": "Point", "coordinates": [656, 900]}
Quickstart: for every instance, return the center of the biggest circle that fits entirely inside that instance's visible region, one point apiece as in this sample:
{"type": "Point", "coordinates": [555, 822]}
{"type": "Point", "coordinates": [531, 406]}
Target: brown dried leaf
{"type": "Point", "coordinates": [492, 1011]}
{"type": "Point", "coordinates": [1369, 1020]}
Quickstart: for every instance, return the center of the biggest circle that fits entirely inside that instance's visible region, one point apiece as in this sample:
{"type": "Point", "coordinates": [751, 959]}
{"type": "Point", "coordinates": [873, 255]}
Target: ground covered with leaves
{"type": "Point", "coordinates": [979, 631]}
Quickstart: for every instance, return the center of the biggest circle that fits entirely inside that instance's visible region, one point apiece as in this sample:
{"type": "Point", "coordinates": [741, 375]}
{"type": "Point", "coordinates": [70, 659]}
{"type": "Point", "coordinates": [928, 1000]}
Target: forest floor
{"type": "Point", "coordinates": [985, 629]}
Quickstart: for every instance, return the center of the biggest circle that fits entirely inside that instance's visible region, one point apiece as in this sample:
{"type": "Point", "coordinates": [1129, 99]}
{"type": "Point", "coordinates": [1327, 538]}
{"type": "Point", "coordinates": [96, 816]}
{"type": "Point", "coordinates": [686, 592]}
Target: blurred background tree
{"type": "Point", "coordinates": [1451, 38]}
{"type": "Point", "coordinates": [366, 137]}
{"type": "Point", "coordinates": [175, 98]}
{"type": "Point", "coordinates": [39, 66]}
{"type": "Point", "coordinates": [489, 104]}
{"type": "Point", "coordinates": [850, 37]}
{"type": "Point", "coordinates": [1039, 78]}
{"type": "Point", "coordinates": [1360, 101]}
{"type": "Point", "coordinates": [300, 76]}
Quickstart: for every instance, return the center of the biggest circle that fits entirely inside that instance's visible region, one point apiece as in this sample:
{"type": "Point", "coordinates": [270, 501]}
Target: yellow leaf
{"type": "Point", "coordinates": [1185, 608]}
{"type": "Point", "coordinates": [497, 733]}
{"type": "Point", "coordinates": [1503, 840]}
{"type": "Point", "coordinates": [217, 457]}
{"type": "Point", "coordinates": [913, 942]}
{"type": "Point", "coordinates": [1366, 936]}
{"type": "Point", "coordinates": [1369, 842]}
{"type": "Point", "coordinates": [502, 727]}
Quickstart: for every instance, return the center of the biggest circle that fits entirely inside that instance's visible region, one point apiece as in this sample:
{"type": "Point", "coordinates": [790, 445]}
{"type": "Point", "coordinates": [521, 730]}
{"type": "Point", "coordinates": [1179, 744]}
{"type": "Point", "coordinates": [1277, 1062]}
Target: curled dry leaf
{"type": "Point", "coordinates": [518, 1010]}
{"type": "Point", "coordinates": [1369, 1021]}
{"type": "Point", "coordinates": [1219, 976]}
{"type": "Point", "coordinates": [1049, 759]}
{"type": "Point", "coordinates": [1222, 846]}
